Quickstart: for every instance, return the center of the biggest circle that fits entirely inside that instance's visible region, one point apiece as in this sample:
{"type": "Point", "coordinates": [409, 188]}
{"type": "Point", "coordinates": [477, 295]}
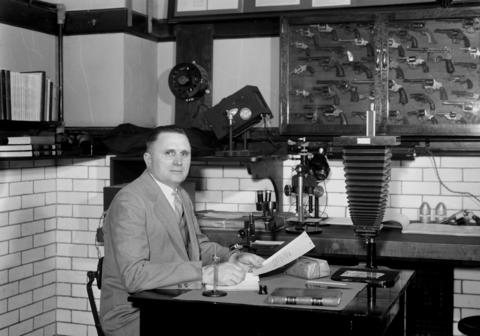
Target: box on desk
{"type": "Point", "coordinates": [309, 268]}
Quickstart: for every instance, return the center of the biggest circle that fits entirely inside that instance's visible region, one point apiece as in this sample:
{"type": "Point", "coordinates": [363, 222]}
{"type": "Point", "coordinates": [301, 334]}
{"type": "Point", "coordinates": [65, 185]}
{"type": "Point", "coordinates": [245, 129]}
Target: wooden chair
{"type": "Point", "coordinates": [92, 276]}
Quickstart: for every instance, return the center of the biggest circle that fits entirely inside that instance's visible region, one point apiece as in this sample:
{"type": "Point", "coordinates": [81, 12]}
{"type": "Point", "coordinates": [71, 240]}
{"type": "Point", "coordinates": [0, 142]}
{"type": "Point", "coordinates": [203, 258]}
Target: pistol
{"type": "Point", "coordinates": [423, 98]}
{"type": "Point", "coordinates": [328, 93]}
{"type": "Point", "coordinates": [359, 67]}
{"type": "Point", "coordinates": [466, 94]}
{"type": "Point", "coordinates": [399, 72]}
{"type": "Point", "coordinates": [395, 87]}
{"type": "Point", "coordinates": [455, 34]}
{"type": "Point", "coordinates": [430, 84]}
{"type": "Point", "coordinates": [424, 114]}
{"type": "Point", "coordinates": [414, 61]}
{"type": "Point", "coordinates": [404, 35]}
{"type": "Point", "coordinates": [325, 28]}
{"type": "Point", "coordinates": [392, 43]}
{"type": "Point", "coordinates": [462, 80]}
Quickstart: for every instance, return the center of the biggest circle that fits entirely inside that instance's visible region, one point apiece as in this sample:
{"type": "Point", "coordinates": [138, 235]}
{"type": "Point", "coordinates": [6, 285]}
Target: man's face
{"type": "Point", "coordinates": [169, 158]}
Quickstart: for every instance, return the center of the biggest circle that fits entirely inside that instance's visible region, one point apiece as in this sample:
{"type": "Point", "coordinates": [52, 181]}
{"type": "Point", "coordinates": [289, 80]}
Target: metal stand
{"type": "Point", "coordinates": [215, 292]}
{"type": "Point", "coordinates": [299, 224]}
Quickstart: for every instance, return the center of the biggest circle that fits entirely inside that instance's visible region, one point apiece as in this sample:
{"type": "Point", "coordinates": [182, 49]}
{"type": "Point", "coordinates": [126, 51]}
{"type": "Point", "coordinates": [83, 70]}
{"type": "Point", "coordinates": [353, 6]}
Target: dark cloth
{"type": "Point", "coordinates": [129, 140]}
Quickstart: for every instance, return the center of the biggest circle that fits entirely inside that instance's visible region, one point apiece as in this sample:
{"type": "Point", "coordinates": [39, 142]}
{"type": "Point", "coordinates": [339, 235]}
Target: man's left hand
{"type": "Point", "coordinates": [246, 260]}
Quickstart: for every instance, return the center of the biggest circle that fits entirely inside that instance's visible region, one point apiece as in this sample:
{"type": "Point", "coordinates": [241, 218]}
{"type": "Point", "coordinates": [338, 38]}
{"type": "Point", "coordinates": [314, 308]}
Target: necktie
{"type": "Point", "coordinates": [177, 202]}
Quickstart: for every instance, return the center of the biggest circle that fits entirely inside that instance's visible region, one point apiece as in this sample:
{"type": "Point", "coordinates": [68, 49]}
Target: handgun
{"type": "Point", "coordinates": [396, 115]}
{"type": "Point", "coordinates": [328, 93]}
{"type": "Point", "coordinates": [303, 46]}
{"type": "Point", "coordinates": [424, 115]}
{"type": "Point", "coordinates": [361, 42]}
{"type": "Point", "coordinates": [392, 43]}
{"type": "Point", "coordinates": [329, 111]}
{"type": "Point", "coordinates": [423, 98]}
{"type": "Point", "coordinates": [462, 80]}
{"type": "Point", "coordinates": [430, 84]}
{"type": "Point", "coordinates": [468, 65]}
{"type": "Point", "coordinates": [447, 56]}
{"type": "Point", "coordinates": [397, 88]}
{"type": "Point", "coordinates": [302, 68]}
{"type": "Point", "coordinates": [414, 61]}
{"type": "Point", "coordinates": [303, 93]}
{"type": "Point", "coordinates": [399, 72]}
{"type": "Point", "coordinates": [473, 52]}
{"type": "Point", "coordinates": [466, 94]}
{"type": "Point", "coordinates": [455, 34]}
{"type": "Point", "coordinates": [467, 106]}
{"type": "Point", "coordinates": [325, 28]}
{"type": "Point", "coordinates": [331, 63]}
{"type": "Point", "coordinates": [416, 26]}
{"type": "Point", "coordinates": [359, 67]}
{"type": "Point", "coordinates": [404, 35]}
{"type": "Point", "coordinates": [452, 116]}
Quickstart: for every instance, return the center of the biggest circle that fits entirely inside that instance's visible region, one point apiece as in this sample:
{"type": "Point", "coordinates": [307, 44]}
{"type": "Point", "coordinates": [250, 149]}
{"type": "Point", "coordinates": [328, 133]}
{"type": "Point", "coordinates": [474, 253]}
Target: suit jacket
{"type": "Point", "coordinates": [144, 249]}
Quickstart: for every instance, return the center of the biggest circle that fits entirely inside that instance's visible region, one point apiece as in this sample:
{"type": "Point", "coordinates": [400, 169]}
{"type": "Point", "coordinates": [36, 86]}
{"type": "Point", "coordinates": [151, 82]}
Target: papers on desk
{"type": "Point", "coordinates": [250, 282]}
{"type": "Point", "coordinates": [293, 250]}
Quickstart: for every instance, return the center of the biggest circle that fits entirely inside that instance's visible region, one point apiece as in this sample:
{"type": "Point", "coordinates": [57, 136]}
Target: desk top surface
{"type": "Point", "coordinates": [371, 302]}
{"type": "Point", "coordinates": [341, 241]}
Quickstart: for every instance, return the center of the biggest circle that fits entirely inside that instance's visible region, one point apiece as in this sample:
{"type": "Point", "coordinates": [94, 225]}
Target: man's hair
{"type": "Point", "coordinates": [162, 129]}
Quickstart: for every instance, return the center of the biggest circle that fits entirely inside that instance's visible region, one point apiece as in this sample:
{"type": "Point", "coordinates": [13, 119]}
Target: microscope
{"type": "Point", "coordinates": [265, 204]}
{"type": "Point", "coordinates": [309, 173]}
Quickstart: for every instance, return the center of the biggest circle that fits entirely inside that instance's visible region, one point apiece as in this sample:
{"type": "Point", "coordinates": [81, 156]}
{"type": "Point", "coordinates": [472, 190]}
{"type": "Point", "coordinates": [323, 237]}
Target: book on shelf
{"type": "Point", "coordinates": [27, 147]}
{"type": "Point", "coordinates": [28, 153]}
{"type": "Point", "coordinates": [27, 96]}
{"type": "Point", "coordinates": [305, 296]}
{"type": "Point", "coordinates": [30, 139]}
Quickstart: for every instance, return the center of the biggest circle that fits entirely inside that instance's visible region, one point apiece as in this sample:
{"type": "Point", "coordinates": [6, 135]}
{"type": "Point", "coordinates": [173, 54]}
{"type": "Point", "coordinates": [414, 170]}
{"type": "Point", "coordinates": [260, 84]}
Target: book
{"type": "Point", "coordinates": [26, 147]}
{"type": "Point", "coordinates": [27, 153]}
{"type": "Point", "coordinates": [31, 139]}
{"type": "Point", "coordinates": [8, 148]}
{"type": "Point", "coordinates": [305, 296]}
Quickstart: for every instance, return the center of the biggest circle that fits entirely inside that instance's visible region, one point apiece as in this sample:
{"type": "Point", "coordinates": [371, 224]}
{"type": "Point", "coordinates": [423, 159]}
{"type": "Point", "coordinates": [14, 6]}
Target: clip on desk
{"type": "Point", "coordinates": [374, 311]}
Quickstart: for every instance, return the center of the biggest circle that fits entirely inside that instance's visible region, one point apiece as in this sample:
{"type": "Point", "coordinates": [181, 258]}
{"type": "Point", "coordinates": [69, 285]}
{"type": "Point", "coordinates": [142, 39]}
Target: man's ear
{"type": "Point", "coordinates": [147, 157]}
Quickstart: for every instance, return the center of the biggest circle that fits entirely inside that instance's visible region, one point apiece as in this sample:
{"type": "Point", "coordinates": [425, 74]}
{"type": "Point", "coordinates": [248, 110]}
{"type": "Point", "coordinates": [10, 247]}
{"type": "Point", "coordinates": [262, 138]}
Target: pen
{"type": "Point", "coordinates": [325, 284]}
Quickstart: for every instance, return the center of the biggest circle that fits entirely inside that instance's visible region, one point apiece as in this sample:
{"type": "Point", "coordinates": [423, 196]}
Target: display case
{"type": "Point", "coordinates": [418, 71]}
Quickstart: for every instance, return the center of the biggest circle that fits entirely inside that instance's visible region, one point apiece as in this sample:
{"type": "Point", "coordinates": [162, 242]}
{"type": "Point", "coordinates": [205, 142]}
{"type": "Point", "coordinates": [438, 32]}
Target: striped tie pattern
{"type": "Point", "coordinates": [177, 202]}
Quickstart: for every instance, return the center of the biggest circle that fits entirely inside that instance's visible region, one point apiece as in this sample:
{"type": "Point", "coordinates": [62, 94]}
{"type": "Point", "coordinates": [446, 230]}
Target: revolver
{"type": "Point", "coordinates": [455, 34]}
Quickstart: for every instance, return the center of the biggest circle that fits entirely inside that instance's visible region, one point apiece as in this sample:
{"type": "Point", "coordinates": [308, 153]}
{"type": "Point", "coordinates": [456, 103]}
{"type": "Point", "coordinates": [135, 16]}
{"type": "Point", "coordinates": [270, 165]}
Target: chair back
{"type": "Point", "coordinates": [95, 275]}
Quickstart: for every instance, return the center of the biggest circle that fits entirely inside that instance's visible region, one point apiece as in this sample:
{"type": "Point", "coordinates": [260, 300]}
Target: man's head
{"type": "Point", "coordinates": [168, 155]}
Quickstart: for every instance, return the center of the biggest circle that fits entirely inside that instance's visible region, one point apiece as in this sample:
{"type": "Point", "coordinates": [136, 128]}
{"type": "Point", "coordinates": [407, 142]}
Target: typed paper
{"type": "Point", "coordinates": [293, 250]}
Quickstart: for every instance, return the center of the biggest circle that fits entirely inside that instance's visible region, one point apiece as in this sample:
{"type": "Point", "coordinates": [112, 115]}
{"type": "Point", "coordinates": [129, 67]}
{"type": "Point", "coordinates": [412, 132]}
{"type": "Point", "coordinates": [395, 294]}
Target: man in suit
{"type": "Point", "coordinates": [152, 238]}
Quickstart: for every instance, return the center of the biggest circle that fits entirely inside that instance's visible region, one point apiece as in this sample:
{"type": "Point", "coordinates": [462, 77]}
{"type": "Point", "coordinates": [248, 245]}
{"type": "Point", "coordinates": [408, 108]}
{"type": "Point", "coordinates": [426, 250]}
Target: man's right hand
{"type": "Point", "coordinates": [229, 274]}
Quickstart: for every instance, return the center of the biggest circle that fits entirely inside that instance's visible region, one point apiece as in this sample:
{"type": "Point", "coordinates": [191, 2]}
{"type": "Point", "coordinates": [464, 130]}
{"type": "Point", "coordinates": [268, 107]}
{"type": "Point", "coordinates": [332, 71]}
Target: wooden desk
{"type": "Point", "coordinates": [374, 311]}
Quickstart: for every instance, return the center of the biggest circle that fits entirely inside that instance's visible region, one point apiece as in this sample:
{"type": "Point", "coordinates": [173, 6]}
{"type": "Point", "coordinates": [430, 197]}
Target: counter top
{"type": "Point", "coordinates": [340, 241]}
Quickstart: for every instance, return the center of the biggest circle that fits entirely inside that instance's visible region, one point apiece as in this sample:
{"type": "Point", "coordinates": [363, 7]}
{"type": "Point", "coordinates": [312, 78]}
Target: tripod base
{"type": "Point", "coordinates": [214, 293]}
{"type": "Point", "coordinates": [374, 276]}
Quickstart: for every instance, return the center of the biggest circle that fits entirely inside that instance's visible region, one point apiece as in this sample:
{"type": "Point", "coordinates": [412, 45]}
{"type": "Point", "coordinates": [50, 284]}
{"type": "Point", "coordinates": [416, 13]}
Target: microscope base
{"type": "Point", "coordinates": [214, 293]}
{"type": "Point", "coordinates": [299, 227]}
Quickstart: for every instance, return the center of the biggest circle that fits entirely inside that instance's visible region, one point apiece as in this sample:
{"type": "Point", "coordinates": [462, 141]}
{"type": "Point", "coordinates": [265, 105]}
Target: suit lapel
{"type": "Point", "coordinates": [193, 247]}
{"type": "Point", "coordinates": [164, 213]}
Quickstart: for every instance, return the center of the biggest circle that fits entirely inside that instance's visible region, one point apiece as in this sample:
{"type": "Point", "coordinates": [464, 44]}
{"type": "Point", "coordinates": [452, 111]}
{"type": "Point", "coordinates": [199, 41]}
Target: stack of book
{"type": "Point", "coordinates": [28, 146]}
{"type": "Point", "coordinates": [27, 96]}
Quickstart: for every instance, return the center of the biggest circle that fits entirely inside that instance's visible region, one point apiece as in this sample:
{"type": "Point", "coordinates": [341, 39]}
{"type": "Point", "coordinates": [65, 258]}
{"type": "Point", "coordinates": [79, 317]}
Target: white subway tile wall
{"type": "Point", "coordinates": [49, 215]}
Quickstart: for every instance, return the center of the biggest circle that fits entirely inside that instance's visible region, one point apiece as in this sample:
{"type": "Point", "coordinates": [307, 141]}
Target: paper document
{"type": "Point", "coordinates": [250, 282]}
{"type": "Point", "coordinates": [293, 250]}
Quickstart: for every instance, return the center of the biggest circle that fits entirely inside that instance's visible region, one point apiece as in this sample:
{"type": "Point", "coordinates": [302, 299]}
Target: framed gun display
{"type": "Point", "coordinates": [419, 71]}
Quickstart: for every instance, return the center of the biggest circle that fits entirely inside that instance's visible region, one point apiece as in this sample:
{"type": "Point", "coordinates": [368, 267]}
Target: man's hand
{"type": "Point", "coordinates": [229, 274]}
{"type": "Point", "coordinates": [246, 260]}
